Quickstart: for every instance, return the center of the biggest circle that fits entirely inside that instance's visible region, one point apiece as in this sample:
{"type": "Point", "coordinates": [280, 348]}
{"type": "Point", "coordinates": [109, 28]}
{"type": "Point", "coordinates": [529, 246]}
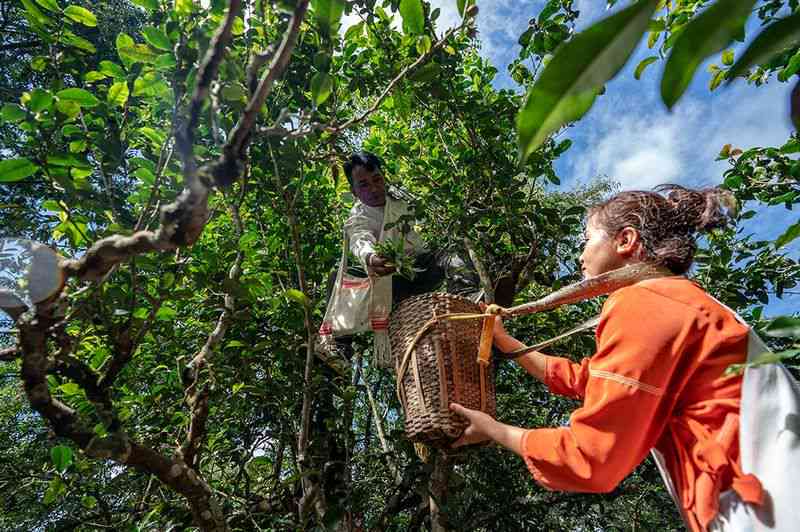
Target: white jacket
{"type": "Point", "coordinates": [364, 226]}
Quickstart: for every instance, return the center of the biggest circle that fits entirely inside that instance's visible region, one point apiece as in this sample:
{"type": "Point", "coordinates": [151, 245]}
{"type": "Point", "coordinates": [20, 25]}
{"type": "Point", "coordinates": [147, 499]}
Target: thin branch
{"type": "Point", "coordinates": [483, 273]}
{"type": "Point", "coordinates": [8, 354]}
{"type": "Point", "coordinates": [197, 396]}
{"type": "Point", "coordinates": [310, 488]}
{"type": "Point", "coordinates": [206, 74]}
{"type": "Point", "coordinates": [387, 450]}
{"type": "Point", "coordinates": [421, 60]}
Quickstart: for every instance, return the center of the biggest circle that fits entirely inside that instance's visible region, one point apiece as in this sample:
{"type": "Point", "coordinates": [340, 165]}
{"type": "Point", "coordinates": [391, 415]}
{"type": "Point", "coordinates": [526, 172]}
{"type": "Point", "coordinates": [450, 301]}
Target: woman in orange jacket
{"type": "Point", "coordinates": [657, 379]}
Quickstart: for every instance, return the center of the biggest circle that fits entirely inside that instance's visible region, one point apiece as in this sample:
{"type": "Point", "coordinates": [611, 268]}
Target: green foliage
{"type": "Point", "coordinates": [393, 250]}
{"type": "Point", "coordinates": [784, 326]}
{"type": "Point", "coordinates": [87, 135]}
{"type": "Point", "coordinates": [321, 88]}
{"type": "Point", "coordinates": [567, 87]}
{"type": "Point", "coordinates": [82, 15]}
{"type": "Point", "coordinates": [413, 17]}
{"type": "Point", "coordinates": [328, 13]}
{"type": "Point", "coordinates": [16, 169]}
{"type": "Point", "coordinates": [710, 32]}
{"type": "Point", "coordinates": [62, 457]}
{"type": "Point", "coordinates": [644, 63]}
{"type": "Point", "coordinates": [791, 234]}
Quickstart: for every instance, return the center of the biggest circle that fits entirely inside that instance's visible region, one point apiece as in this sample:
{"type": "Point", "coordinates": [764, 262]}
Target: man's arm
{"type": "Point", "coordinates": [359, 229]}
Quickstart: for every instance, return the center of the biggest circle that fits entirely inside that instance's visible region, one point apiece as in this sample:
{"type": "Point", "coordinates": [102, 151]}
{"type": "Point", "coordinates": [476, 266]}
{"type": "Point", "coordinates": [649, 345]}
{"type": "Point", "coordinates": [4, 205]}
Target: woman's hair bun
{"type": "Point", "coordinates": [699, 210]}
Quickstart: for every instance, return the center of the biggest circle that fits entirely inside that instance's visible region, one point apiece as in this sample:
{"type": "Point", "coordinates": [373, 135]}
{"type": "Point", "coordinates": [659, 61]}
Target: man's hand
{"type": "Point", "coordinates": [377, 265]}
{"type": "Point", "coordinates": [480, 425]}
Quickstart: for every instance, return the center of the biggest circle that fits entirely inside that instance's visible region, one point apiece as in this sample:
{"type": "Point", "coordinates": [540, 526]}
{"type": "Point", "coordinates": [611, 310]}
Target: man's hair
{"type": "Point", "coordinates": [368, 160]}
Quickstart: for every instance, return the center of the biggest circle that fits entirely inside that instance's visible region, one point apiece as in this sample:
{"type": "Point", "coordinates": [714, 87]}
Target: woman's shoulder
{"type": "Point", "coordinates": [676, 292]}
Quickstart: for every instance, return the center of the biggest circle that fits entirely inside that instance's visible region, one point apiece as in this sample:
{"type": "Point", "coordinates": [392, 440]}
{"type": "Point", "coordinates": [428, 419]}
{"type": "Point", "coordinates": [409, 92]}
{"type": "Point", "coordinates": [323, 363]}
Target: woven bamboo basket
{"type": "Point", "coordinates": [438, 366]}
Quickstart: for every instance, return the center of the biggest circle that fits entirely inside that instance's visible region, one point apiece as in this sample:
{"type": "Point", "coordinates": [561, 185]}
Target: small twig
{"type": "Point", "coordinates": [483, 273]}
{"type": "Point", "coordinates": [398, 78]}
{"type": "Point", "coordinates": [7, 354]}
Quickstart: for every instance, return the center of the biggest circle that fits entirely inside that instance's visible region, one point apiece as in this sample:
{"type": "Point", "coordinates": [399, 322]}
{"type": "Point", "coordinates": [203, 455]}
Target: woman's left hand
{"type": "Point", "coordinates": [479, 428]}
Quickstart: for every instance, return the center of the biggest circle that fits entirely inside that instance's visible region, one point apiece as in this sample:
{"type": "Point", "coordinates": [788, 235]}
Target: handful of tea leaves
{"type": "Point", "coordinates": [393, 250]}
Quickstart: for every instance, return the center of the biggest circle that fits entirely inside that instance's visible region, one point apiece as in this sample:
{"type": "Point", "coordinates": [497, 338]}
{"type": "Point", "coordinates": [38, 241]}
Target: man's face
{"type": "Point", "coordinates": [369, 187]}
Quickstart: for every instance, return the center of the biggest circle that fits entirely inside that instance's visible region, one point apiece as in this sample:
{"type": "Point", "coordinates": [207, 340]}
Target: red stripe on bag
{"type": "Point", "coordinates": [379, 324]}
{"type": "Point", "coordinates": [355, 284]}
{"type": "Point", "coordinates": [326, 329]}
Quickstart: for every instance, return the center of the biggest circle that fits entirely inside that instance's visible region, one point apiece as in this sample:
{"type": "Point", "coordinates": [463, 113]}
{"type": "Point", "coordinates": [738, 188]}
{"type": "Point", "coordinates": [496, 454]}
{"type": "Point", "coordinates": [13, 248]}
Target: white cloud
{"type": "Point", "coordinates": [635, 141]}
{"type": "Point", "coordinates": [448, 14]}
{"type": "Point", "coordinates": [637, 150]}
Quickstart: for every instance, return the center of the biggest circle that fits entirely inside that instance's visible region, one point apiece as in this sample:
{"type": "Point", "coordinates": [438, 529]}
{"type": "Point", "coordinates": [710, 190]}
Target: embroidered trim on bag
{"type": "Point", "coordinates": [379, 324]}
{"type": "Point", "coordinates": [626, 381]}
{"type": "Point", "coordinates": [355, 284]}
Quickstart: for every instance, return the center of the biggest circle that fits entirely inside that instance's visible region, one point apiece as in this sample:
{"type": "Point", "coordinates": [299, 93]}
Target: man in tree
{"type": "Point", "coordinates": [381, 241]}
{"type": "Point", "coordinates": [373, 216]}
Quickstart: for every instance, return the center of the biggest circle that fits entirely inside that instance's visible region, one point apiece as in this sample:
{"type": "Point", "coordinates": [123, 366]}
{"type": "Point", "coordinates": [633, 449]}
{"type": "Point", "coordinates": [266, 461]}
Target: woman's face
{"type": "Point", "coordinates": [601, 251]}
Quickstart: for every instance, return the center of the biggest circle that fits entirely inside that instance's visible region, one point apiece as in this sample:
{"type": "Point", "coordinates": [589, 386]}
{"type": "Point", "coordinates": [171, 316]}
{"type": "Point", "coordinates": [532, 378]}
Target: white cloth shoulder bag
{"type": "Point", "coordinates": [769, 443]}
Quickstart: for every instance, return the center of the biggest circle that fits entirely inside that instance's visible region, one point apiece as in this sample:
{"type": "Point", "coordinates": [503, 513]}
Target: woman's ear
{"type": "Point", "coordinates": [628, 241]}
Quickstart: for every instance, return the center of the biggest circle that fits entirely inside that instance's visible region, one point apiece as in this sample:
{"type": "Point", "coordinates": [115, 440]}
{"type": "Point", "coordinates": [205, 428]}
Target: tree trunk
{"type": "Point", "coordinates": [438, 492]}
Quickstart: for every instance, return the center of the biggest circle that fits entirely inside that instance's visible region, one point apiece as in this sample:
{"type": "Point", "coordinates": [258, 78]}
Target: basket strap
{"type": "Point", "coordinates": [513, 355]}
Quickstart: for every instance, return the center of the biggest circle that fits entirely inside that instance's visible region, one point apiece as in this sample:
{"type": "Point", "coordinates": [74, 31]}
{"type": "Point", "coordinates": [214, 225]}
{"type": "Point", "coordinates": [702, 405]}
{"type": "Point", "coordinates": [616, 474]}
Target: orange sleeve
{"type": "Point", "coordinates": [639, 341]}
{"type": "Point", "coordinates": [564, 377]}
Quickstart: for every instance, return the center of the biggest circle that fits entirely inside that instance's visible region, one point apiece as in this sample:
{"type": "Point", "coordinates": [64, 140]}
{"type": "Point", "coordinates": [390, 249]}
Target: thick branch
{"type": "Point", "coordinates": [438, 492]}
{"type": "Point", "coordinates": [483, 273]}
{"type": "Point", "coordinates": [240, 134]}
{"type": "Point", "coordinates": [206, 510]}
{"type": "Point", "coordinates": [8, 354]}
{"type": "Point", "coordinates": [206, 74]}
{"type": "Point", "coordinates": [117, 446]}
{"type": "Point", "coordinates": [402, 496]}
{"type": "Point", "coordinates": [181, 224]}
{"type": "Point", "coordinates": [33, 341]}
{"type": "Point", "coordinates": [12, 304]}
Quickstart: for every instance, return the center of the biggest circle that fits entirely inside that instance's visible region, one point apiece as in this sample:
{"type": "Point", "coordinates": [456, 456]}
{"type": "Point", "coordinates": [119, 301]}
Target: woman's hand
{"type": "Point", "coordinates": [479, 428]}
{"type": "Point", "coordinates": [483, 427]}
{"type": "Point", "coordinates": [500, 335]}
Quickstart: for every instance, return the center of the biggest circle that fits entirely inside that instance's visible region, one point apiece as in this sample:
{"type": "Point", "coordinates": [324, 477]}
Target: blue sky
{"type": "Point", "coordinates": [630, 136]}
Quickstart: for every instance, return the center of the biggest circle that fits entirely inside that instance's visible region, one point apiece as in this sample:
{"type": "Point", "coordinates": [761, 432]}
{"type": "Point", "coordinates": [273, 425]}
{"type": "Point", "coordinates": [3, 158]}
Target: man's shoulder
{"type": "Point", "coordinates": [397, 193]}
{"type": "Point", "coordinates": [360, 209]}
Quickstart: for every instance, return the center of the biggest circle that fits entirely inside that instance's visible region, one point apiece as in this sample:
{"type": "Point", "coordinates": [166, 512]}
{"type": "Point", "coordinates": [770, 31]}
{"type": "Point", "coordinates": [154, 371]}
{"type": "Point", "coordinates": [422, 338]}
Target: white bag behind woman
{"type": "Point", "coordinates": [769, 446]}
